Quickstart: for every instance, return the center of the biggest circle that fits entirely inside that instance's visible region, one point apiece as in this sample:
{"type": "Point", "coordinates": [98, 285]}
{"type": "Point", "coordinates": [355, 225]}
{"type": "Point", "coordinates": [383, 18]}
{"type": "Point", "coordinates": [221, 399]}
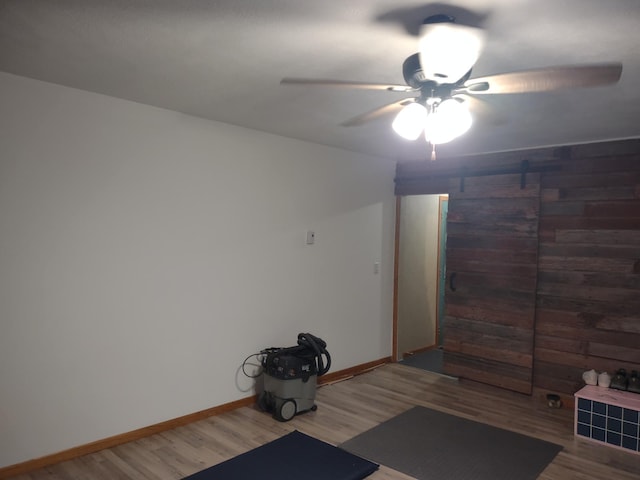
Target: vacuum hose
{"type": "Point", "coordinates": [319, 348]}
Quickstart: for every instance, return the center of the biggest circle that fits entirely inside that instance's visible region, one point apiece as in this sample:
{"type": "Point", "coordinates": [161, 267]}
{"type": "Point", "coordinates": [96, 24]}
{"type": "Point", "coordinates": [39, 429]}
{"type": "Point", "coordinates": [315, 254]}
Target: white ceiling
{"type": "Point", "coordinates": [223, 60]}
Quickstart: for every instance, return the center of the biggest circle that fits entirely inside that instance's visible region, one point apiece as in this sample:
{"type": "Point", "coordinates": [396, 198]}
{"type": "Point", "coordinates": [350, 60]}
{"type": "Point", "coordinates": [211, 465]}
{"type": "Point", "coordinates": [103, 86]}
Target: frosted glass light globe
{"type": "Point", "coordinates": [450, 120]}
{"type": "Point", "coordinates": [410, 121]}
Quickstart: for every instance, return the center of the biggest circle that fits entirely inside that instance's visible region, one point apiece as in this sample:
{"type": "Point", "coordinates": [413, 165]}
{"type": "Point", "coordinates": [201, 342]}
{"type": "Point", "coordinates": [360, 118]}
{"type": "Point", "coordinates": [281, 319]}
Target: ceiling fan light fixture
{"type": "Point", "coordinates": [449, 120]}
{"type": "Point", "coordinates": [410, 121]}
{"type": "Point", "coordinates": [448, 51]}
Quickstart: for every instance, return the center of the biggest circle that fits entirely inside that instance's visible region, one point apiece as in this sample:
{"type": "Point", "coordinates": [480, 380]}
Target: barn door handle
{"type": "Point", "coordinates": [452, 281]}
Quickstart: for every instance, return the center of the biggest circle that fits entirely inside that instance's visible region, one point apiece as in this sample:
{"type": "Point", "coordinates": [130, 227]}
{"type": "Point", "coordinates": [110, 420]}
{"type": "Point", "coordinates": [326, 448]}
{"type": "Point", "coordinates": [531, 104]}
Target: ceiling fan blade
{"type": "Point", "coordinates": [342, 83]}
{"type": "Point", "coordinates": [480, 107]}
{"type": "Point", "coordinates": [380, 112]}
{"type": "Point", "coordinates": [546, 79]}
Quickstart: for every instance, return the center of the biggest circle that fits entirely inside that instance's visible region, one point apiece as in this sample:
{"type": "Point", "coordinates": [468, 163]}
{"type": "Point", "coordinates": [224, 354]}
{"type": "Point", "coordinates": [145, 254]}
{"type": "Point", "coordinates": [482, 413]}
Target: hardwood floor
{"type": "Point", "coordinates": [346, 409]}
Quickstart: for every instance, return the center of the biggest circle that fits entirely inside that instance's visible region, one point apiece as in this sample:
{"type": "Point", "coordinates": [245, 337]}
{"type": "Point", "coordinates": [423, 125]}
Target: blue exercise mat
{"type": "Point", "coordinates": [295, 456]}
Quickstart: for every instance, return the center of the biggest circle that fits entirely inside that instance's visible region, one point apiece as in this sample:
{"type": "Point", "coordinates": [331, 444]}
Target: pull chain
{"type": "Point", "coordinates": [432, 107]}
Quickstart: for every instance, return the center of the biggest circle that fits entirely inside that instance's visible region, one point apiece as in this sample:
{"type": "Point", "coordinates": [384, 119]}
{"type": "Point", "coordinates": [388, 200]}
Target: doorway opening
{"type": "Point", "coordinates": [420, 280]}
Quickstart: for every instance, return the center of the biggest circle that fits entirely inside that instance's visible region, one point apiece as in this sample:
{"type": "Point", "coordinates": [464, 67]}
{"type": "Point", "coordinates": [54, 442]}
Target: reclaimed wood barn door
{"type": "Point", "coordinates": [492, 257]}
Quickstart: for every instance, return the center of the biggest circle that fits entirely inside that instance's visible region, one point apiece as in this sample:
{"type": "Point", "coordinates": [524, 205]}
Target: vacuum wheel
{"type": "Point", "coordinates": [286, 411]}
{"type": "Point", "coordinates": [265, 402]}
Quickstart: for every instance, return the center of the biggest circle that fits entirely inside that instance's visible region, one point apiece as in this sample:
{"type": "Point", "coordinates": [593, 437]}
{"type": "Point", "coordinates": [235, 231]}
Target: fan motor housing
{"type": "Point", "coordinates": [412, 72]}
{"type": "Point", "coordinates": [415, 78]}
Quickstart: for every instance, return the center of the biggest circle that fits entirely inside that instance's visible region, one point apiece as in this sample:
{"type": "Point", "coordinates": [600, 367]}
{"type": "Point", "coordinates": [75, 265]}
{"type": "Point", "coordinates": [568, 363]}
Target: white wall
{"type": "Point", "coordinates": [418, 272]}
{"type": "Point", "coordinates": [144, 254]}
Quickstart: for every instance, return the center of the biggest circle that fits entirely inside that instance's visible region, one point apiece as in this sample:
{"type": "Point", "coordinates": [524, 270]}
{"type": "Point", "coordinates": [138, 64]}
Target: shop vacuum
{"type": "Point", "coordinates": [290, 376]}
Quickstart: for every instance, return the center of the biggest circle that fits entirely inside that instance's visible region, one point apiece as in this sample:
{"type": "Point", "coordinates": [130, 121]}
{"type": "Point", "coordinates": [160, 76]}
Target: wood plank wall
{"type": "Point", "coordinates": [588, 292]}
{"type": "Point", "coordinates": [588, 295]}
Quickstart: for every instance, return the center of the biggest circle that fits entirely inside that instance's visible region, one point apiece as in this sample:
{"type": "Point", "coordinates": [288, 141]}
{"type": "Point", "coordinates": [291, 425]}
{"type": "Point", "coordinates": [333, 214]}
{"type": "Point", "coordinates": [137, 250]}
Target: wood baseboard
{"type": "Point", "coordinates": [110, 442]}
{"type": "Point", "coordinates": [352, 372]}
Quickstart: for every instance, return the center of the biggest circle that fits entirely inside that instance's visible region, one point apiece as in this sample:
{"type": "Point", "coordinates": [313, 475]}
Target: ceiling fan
{"type": "Point", "coordinates": [439, 76]}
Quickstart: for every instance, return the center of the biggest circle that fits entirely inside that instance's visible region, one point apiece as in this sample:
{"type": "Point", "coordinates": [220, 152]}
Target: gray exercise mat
{"type": "Point", "coordinates": [427, 444]}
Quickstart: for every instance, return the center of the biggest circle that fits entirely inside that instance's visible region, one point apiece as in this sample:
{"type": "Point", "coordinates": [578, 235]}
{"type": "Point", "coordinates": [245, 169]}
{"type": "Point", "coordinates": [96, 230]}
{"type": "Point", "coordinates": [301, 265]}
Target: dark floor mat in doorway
{"type": "Point", "coordinates": [431, 360]}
